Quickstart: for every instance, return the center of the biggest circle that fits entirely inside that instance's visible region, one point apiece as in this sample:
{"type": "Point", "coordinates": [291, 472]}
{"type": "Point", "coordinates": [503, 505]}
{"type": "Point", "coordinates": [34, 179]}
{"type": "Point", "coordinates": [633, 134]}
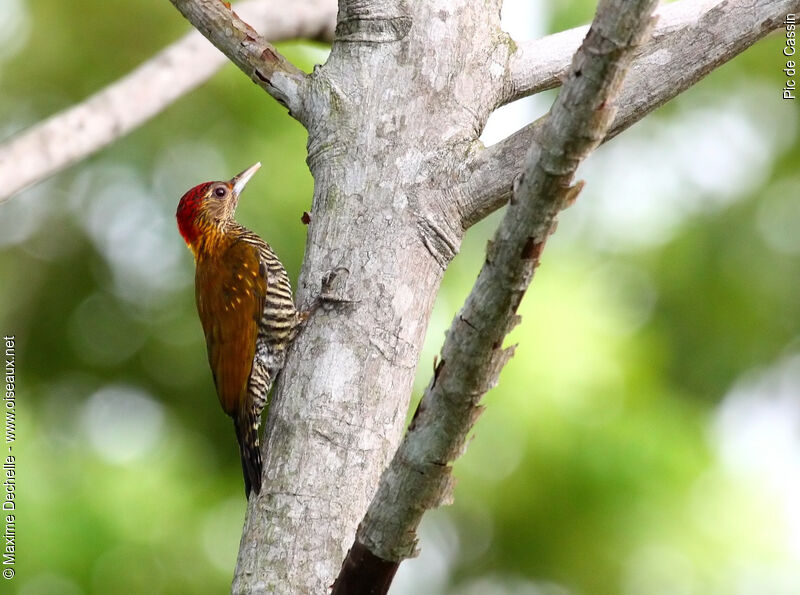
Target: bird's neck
{"type": "Point", "coordinates": [211, 240]}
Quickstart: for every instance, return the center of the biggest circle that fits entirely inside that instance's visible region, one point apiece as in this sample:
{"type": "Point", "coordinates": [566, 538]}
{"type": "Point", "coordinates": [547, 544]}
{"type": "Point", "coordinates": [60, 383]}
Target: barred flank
{"type": "Point", "coordinates": [277, 327]}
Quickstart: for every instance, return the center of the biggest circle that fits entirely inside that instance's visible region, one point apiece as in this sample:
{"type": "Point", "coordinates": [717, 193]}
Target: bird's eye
{"type": "Point", "coordinates": [220, 191]}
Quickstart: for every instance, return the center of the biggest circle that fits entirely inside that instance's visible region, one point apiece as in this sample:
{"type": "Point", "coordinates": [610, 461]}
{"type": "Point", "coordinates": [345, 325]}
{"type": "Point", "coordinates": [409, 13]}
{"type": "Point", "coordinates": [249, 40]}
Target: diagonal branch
{"type": "Point", "coordinates": [253, 54]}
{"type": "Point", "coordinates": [83, 129]}
{"type": "Point", "coordinates": [418, 477]}
{"type": "Point", "coordinates": [697, 38]}
{"type": "Point", "coordinates": [540, 64]}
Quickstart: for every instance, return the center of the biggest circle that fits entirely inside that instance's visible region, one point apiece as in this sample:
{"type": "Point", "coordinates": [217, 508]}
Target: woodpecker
{"type": "Point", "coordinates": [244, 300]}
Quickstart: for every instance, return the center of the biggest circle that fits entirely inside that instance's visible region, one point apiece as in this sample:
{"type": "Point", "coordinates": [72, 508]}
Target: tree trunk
{"type": "Point", "coordinates": [398, 103]}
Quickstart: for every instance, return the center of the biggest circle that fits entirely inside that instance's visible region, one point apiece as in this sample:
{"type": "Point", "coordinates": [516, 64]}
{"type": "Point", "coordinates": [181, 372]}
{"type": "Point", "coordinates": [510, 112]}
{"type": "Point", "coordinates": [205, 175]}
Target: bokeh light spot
{"type": "Point", "coordinates": [122, 423]}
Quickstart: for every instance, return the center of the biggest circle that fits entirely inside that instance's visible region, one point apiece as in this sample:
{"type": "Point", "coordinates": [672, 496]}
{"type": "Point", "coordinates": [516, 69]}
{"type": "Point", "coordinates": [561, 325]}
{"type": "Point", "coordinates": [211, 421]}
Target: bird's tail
{"type": "Point", "coordinates": [247, 434]}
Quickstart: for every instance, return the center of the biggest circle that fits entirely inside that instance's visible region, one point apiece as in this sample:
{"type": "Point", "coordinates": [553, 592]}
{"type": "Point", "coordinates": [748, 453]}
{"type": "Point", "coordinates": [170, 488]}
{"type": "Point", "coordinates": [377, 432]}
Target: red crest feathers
{"type": "Point", "coordinates": [188, 208]}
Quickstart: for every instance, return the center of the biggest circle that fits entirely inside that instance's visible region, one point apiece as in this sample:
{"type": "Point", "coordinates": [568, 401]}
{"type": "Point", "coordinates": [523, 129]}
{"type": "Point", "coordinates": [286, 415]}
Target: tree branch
{"type": "Point", "coordinates": [83, 129]}
{"type": "Point", "coordinates": [696, 38]}
{"type": "Point", "coordinates": [540, 64]}
{"type": "Point", "coordinates": [418, 477]}
{"type": "Point", "coordinates": [253, 54]}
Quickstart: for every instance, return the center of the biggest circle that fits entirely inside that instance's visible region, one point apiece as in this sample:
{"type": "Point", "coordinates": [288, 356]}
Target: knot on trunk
{"type": "Point", "coordinates": [373, 22]}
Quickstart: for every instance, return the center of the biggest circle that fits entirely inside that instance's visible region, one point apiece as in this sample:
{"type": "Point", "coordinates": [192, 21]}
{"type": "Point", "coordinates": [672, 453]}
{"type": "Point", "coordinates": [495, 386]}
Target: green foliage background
{"type": "Point", "coordinates": [622, 452]}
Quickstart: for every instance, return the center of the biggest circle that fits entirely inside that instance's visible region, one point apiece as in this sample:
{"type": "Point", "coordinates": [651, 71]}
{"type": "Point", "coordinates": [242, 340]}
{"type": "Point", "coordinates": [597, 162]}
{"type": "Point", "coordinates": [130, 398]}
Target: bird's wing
{"type": "Point", "coordinates": [230, 292]}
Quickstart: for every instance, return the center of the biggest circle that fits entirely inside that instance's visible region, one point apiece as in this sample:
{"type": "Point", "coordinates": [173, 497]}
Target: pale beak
{"type": "Point", "coordinates": [240, 181]}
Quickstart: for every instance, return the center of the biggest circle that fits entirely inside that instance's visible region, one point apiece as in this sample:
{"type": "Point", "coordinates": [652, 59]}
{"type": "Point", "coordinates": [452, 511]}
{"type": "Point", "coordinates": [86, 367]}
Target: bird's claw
{"type": "Point", "coordinates": [332, 287]}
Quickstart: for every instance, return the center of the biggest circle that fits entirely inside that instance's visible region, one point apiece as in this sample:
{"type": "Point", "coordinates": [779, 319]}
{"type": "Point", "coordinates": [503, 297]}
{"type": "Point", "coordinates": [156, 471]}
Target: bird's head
{"type": "Point", "coordinates": [209, 205]}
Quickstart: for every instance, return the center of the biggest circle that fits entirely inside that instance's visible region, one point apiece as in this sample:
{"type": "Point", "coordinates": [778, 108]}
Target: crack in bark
{"type": "Point", "coordinates": [438, 241]}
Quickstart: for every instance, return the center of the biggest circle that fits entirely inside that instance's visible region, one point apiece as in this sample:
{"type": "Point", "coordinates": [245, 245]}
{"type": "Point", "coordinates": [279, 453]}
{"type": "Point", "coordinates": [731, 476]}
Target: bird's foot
{"type": "Point", "coordinates": [332, 291]}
